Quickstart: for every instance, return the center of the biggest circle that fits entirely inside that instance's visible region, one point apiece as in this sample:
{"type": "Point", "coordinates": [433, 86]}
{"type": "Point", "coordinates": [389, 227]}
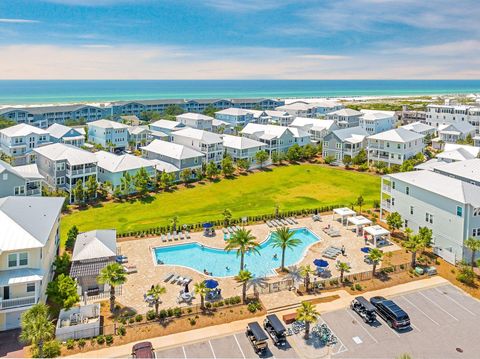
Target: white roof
{"type": "Point", "coordinates": [459, 154]}
{"type": "Point", "coordinates": [430, 164]}
{"type": "Point", "coordinates": [418, 127]}
{"type": "Point", "coordinates": [233, 111]}
{"type": "Point", "coordinates": [169, 125]}
{"type": "Point", "coordinates": [161, 166]}
{"type": "Point", "coordinates": [272, 131]}
{"type": "Point", "coordinates": [29, 171]}
{"type": "Point", "coordinates": [26, 222]}
{"type": "Point", "coordinates": [100, 243]}
{"type": "Point", "coordinates": [313, 123]}
{"type": "Point", "coordinates": [240, 143]}
{"type": "Point", "coordinates": [397, 135]}
{"type": "Point", "coordinates": [61, 151]}
{"type": "Point", "coordinates": [473, 150]}
{"type": "Point", "coordinates": [351, 134]}
{"type": "Point", "coordinates": [344, 211]}
{"type": "Point", "coordinates": [58, 131]}
{"type": "Point", "coordinates": [216, 123]}
{"type": "Point", "coordinates": [346, 112]}
{"type": "Point", "coordinates": [273, 113]}
{"type": "Point", "coordinates": [456, 127]}
{"type": "Point", "coordinates": [359, 220]}
{"type": "Point", "coordinates": [136, 130]}
{"type": "Point", "coordinates": [120, 163]}
{"type": "Point", "coordinates": [201, 135]}
{"type": "Point", "coordinates": [383, 112]}
{"type": "Point", "coordinates": [107, 124]}
{"type": "Point", "coordinates": [376, 116]}
{"type": "Point", "coordinates": [296, 106]}
{"type": "Point", "coordinates": [442, 185]}
{"type": "Point", "coordinates": [22, 129]}
{"type": "Point", "coordinates": [194, 116]}
{"type": "Point", "coordinates": [172, 150]}
{"type": "Point", "coordinates": [376, 230]}
{"type": "Point", "coordinates": [19, 276]}
{"type": "Point", "coordinates": [469, 169]}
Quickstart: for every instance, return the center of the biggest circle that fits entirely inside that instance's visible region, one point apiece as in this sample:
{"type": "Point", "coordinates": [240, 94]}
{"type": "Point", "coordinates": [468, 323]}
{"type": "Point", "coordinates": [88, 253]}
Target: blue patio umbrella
{"type": "Point", "coordinates": [320, 263]}
{"type": "Point", "coordinates": [207, 225]}
{"type": "Point", "coordinates": [365, 249]}
{"type": "Point", "coordinates": [211, 283]}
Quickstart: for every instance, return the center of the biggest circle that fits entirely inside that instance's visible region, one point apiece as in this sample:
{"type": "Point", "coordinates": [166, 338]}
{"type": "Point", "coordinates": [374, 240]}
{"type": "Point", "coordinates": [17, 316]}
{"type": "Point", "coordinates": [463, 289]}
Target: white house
{"type": "Point", "coordinates": [453, 132]}
{"type": "Point", "coordinates": [377, 121]}
{"type": "Point", "coordinates": [139, 136]}
{"type": "Point", "coordinates": [442, 114]}
{"type": "Point", "coordinates": [235, 116]}
{"type": "Point", "coordinates": [196, 120]}
{"type": "Point", "coordinates": [421, 128]}
{"type": "Point", "coordinates": [242, 148]}
{"type": "Point", "coordinates": [298, 109]}
{"type": "Point", "coordinates": [344, 142]}
{"type": "Point", "coordinates": [166, 126]}
{"type": "Point", "coordinates": [317, 128]}
{"type": "Point", "coordinates": [18, 141]}
{"type": "Point", "coordinates": [448, 206]}
{"type": "Point", "coordinates": [108, 134]}
{"type": "Point", "coordinates": [467, 171]}
{"type": "Point", "coordinates": [64, 134]}
{"type": "Point", "coordinates": [208, 143]}
{"type": "Point", "coordinates": [394, 146]}
{"type": "Point", "coordinates": [281, 118]}
{"type": "Point", "coordinates": [345, 118]}
{"type": "Point", "coordinates": [29, 242]}
{"type": "Point", "coordinates": [260, 117]}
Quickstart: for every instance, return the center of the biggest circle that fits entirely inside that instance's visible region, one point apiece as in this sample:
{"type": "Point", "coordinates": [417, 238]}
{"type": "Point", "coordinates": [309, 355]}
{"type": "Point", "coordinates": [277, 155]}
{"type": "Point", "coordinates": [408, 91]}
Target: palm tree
{"type": "Point", "coordinates": [173, 222]}
{"type": "Point", "coordinates": [156, 292]}
{"type": "Point", "coordinates": [343, 268]}
{"type": "Point", "coordinates": [305, 272]}
{"type": "Point", "coordinates": [283, 238]}
{"type": "Point", "coordinates": [243, 241]}
{"type": "Point", "coordinates": [408, 232]}
{"type": "Point", "coordinates": [37, 327]}
{"type": "Point", "coordinates": [243, 277]}
{"type": "Point", "coordinates": [114, 275]}
{"type": "Point", "coordinates": [307, 314]}
{"type": "Point", "coordinates": [375, 255]}
{"type": "Point", "coordinates": [415, 244]}
{"type": "Point", "coordinates": [201, 289]}
{"type": "Point", "coordinates": [474, 245]}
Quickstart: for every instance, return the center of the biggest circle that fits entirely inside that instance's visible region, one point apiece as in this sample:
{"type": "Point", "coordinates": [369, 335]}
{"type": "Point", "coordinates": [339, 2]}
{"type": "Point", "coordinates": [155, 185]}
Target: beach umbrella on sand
{"type": "Point", "coordinates": [211, 283]}
{"type": "Point", "coordinates": [320, 263]}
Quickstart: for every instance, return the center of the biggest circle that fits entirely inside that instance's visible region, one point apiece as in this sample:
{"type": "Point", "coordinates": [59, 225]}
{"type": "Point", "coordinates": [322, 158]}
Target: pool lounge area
{"type": "Point", "coordinates": [220, 263]}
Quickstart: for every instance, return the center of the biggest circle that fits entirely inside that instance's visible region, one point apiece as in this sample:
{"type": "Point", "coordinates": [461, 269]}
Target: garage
{"type": "Point", "coordinates": [12, 320]}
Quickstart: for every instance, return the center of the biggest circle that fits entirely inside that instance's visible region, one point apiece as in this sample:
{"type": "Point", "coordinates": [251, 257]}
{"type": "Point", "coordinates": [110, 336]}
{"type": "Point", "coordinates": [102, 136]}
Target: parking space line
{"type": "Point", "coordinates": [413, 325]}
{"type": "Point", "coordinates": [421, 311]}
{"type": "Point", "coordinates": [239, 347]}
{"type": "Point", "coordinates": [184, 352]}
{"type": "Point", "coordinates": [342, 347]}
{"type": "Point", "coordinates": [439, 307]}
{"type": "Point", "coordinates": [393, 331]}
{"type": "Point", "coordinates": [361, 325]}
{"type": "Point", "coordinates": [213, 351]}
{"type": "Point", "coordinates": [453, 300]}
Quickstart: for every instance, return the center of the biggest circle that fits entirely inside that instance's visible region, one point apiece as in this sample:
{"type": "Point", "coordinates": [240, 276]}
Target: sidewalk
{"type": "Point", "coordinates": [202, 334]}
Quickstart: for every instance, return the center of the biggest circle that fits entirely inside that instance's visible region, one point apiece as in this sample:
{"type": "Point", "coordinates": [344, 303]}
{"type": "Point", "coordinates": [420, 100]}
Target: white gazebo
{"type": "Point", "coordinates": [377, 232]}
{"type": "Point", "coordinates": [343, 212]}
{"type": "Point", "coordinates": [359, 222]}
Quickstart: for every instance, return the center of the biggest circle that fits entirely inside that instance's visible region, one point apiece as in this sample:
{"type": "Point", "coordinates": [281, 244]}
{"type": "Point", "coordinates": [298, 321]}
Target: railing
{"type": "Point", "coordinates": [386, 205]}
{"type": "Point", "coordinates": [81, 171]}
{"type": "Point", "coordinates": [33, 192]}
{"type": "Point", "coordinates": [16, 302]}
{"type": "Point", "coordinates": [387, 188]}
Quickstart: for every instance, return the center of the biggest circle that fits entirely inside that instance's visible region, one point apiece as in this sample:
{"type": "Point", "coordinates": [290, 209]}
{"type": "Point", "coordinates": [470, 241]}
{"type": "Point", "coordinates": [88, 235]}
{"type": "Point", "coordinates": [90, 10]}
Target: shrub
{"type": "Point", "coordinates": [220, 303]}
{"type": "Point", "coordinates": [81, 343]}
{"type": "Point", "coordinates": [352, 287]}
{"type": "Point", "coordinates": [122, 331]}
{"type": "Point", "coordinates": [466, 274]}
{"type": "Point", "coordinates": [358, 286]}
{"type": "Point", "coordinates": [227, 301]}
{"type": "Point", "coordinates": [138, 318]}
{"type": "Point", "coordinates": [192, 321]}
{"type": "Point", "coordinates": [163, 314]}
{"type": "Point", "coordinates": [170, 312]}
{"type": "Point", "coordinates": [51, 349]}
{"type": "Point", "coordinates": [189, 310]}
{"type": "Point", "coordinates": [402, 266]}
{"type": "Point", "coordinates": [109, 339]}
{"type": "Point", "coordinates": [100, 339]}
{"type": "Point", "coordinates": [123, 321]}
{"type": "Point", "coordinates": [254, 306]}
{"type": "Point", "coordinates": [151, 314]}
{"type": "Point", "coordinates": [208, 305]}
{"type": "Point", "coordinates": [177, 312]}
{"type": "Point", "coordinates": [131, 321]}
{"type": "Point", "coordinates": [70, 343]}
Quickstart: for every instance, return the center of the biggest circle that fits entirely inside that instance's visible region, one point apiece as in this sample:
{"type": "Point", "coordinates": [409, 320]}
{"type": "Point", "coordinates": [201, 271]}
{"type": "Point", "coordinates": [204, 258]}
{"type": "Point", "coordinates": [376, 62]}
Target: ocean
{"type": "Point", "coordinates": [14, 92]}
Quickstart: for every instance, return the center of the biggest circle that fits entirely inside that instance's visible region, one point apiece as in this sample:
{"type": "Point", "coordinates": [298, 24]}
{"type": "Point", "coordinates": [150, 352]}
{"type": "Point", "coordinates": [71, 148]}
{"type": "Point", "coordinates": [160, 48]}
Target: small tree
{"type": "Point", "coordinates": [329, 159]}
{"type": "Point", "coordinates": [141, 181]}
{"type": "Point", "coordinates": [243, 164]}
{"type": "Point", "coordinates": [79, 192]}
{"type": "Point", "coordinates": [242, 241]}
{"type": "Point", "coordinates": [71, 237]}
{"type": "Point", "coordinates": [275, 158]}
{"type": "Point", "coordinates": [307, 314]}
{"type": "Point", "coordinates": [227, 166]}
{"type": "Point", "coordinates": [201, 289]}
{"type": "Point", "coordinates": [394, 221]}
{"type": "Point", "coordinates": [474, 245]}
{"type": "Point", "coordinates": [186, 175]}
{"type": "Point", "coordinates": [414, 244]}
{"type": "Point", "coordinates": [347, 161]}
{"type": "Point", "coordinates": [91, 188]}
{"type": "Point", "coordinates": [243, 277]}
{"type": "Point", "coordinates": [360, 158]}
{"type": "Point", "coordinates": [211, 171]}
{"type": "Point", "coordinates": [63, 291]}
{"type": "Point", "coordinates": [465, 273]}
{"type": "Point", "coordinates": [37, 327]}
{"type": "Point", "coordinates": [155, 293]}
{"type": "Point", "coordinates": [227, 216]}
{"type": "Point", "coordinates": [62, 264]}
{"type": "Point", "coordinates": [360, 202]}
{"type": "Point", "coordinates": [261, 157]}
{"type": "Point", "coordinates": [375, 255]}
{"type": "Point", "coordinates": [173, 223]}
{"type": "Point", "coordinates": [305, 272]}
{"type": "Point", "coordinates": [127, 183]}
{"type": "Point", "coordinates": [343, 267]}
{"type": "Point", "coordinates": [166, 180]}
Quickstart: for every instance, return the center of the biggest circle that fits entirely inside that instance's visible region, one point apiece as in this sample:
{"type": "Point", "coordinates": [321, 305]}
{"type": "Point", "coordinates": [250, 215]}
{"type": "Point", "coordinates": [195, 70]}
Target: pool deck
{"type": "Point", "coordinates": [139, 252]}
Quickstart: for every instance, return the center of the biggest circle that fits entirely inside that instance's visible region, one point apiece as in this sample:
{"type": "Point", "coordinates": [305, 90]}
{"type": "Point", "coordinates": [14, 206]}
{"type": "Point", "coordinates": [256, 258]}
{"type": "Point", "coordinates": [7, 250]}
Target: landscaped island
{"type": "Point", "coordinates": [291, 187]}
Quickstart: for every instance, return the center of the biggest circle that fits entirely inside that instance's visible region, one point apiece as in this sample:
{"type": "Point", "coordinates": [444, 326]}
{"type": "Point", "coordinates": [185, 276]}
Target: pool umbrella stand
{"type": "Point", "coordinates": [211, 283]}
{"type": "Point", "coordinates": [186, 290]}
{"type": "Point", "coordinates": [320, 263]}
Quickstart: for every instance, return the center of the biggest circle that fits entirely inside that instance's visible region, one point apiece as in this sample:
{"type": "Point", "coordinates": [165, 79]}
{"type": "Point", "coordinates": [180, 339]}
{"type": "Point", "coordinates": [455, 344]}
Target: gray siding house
{"type": "Point", "coordinates": [20, 180]}
{"type": "Point", "coordinates": [347, 141]}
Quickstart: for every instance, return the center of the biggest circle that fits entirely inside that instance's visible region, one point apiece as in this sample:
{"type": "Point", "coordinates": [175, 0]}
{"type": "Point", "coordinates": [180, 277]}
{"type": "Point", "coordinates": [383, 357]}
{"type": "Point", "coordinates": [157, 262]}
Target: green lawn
{"type": "Point", "coordinates": [292, 187]}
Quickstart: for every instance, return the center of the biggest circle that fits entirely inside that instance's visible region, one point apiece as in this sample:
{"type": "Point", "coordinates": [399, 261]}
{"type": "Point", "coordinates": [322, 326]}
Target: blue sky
{"type": "Point", "coordinates": [211, 39]}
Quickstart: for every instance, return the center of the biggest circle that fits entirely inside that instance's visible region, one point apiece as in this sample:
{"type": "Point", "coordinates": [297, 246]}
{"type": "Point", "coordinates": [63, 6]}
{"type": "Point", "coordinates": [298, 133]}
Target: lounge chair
{"type": "Point", "coordinates": [285, 222]}
{"type": "Point", "coordinates": [130, 269]}
{"type": "Point", "coordinates": [180, 280]}
{"type": "Point", "coordinates": [268, 224]}
{"type": "Point", "coordinates": [187, 234]}
{"type": "Point", "coordinates": [238, 228]}
{"type": "Point", "coordinates": [121, 259]}
{"type": "Point", "coordinates": [164, 239]}
{"type": "Point", "coordinates": [175, 279]}
{"type": "Point", "coordinates": [187, 280]}
{"type": "Point", "coordinates": [175, 235]}
{"type": "Point", "coordinates": [230, 229]}
{"type": "Point", "coordinates": [289, 220]}
{"type": "Point", "coordinates": [182, 237]}
{"type": "Point", "coordinates": [224, 230]}
{"type": "Point", "coordinates": [168, 277]}
{"type": "Point", "coordinates": [169, 236]}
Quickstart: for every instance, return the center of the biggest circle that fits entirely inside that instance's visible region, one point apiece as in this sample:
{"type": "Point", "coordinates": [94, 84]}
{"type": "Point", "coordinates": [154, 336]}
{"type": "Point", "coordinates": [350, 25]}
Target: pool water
{"type": "Point", "coordinates": [225, 264]}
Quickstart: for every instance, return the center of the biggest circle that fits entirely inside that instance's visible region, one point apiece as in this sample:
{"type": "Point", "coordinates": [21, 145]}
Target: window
{"type": "Point", "coordinates": [392, 201]}
{"type": "Point", "coordinates": [23, 259]}
{"type": "Point", "coordinates": [411, 209]}
{"type": "Point", "coordinates": [19, 191]}
{"type": "Point", "coordinates": [5, 176]}
{"type": "Point", "coordinates": [476, 232]}
{"type": "Point", "coordinates": [459, 211]}
{"type": "Point", "coordinates": [428, 217]}
{"type": "Point", "coordinates": [407, 190]}
{"type": "Point", "coordinates": [12, 260]}
{"type": "Point", "coordinates": [405, 223]}
{"type": "Point", "coordinates": [30, 287]}
{"type": "Point", "coordinates": [393, 185]}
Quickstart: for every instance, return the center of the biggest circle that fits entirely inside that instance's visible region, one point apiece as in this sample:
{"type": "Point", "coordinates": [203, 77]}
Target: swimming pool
{"type": "Point", "coordinates": [225, 264]}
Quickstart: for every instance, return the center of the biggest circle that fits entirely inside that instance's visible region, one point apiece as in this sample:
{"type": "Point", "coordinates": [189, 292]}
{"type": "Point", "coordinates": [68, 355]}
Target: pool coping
{"type": "Point", "coordinates": [304, 254]}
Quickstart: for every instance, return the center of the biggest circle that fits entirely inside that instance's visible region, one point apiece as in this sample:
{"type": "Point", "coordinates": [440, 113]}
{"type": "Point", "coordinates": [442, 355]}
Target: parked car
{"type": "Point", "coordinates": [143, 350]}
{"type": "Point", "coordinates": [364, 309]}
{"type": "Point", "coordinates": [257, 337]}
{"type": "Point", "coordinates": [275, 330]}
{"type": "Point", "coordinates": [395, 316]}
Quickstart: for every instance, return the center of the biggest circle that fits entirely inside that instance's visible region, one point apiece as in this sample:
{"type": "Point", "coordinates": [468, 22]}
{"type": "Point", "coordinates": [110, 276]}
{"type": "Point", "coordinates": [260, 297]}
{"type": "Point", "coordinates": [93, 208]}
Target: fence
{"type": "Point", "coordinates": [282, 285]}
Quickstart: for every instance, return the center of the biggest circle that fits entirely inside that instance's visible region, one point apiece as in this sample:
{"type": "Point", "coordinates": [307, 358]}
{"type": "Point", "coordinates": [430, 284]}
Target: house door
{"type": "Point", "coordinates": [6, 292]}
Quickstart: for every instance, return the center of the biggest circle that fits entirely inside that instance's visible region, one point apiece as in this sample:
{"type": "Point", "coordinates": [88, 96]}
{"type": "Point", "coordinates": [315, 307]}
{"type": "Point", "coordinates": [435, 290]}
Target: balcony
{"type": "Point", "coordinates": [81, 172]}
{"type": "Point", "coordinates": [386, 205]}
{"type": "Point", "coordinates": [386, 188]}
{"type": "Point", "coordinates": [16, 302]}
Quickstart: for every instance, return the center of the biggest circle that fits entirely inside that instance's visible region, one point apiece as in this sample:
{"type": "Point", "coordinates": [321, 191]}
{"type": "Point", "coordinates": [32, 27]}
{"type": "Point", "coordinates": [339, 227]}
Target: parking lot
{"type": "Point", "coordinates": [444, 325]}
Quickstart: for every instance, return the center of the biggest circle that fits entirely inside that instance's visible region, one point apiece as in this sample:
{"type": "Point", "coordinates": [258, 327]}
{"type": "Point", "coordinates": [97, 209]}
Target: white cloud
{"type": "Point", "coordinates": [172, 62]}
{"type": "Point", "coordinates": [18, 21]}
{"type": "Point", "coordinates": [246, 5]}
{"type": "Point", "coordinates": [93, 2]}
{"type": "Point", "coordinates": [96, 46]}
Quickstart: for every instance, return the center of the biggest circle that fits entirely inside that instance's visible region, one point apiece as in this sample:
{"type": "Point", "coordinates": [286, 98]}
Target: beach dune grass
{"type": "Point", "coordinates": [291, 187]}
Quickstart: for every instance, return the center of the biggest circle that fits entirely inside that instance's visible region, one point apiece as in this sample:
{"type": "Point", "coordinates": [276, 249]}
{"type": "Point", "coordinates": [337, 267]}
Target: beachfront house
{"type": "Point", "coordinates": [208, 143]}
{"type": "Point", "coordinates": [63, 166]}
{"type": "Point", "coordinates": [196, 120]}
{"type": "Point", "coordinates": [317, 128]}
{"type": "Point", "coordinates": [377, 121]}
{"type": "Point", "coordinates": [299, 109]}
{"type": "Point", "coordinates": [276, 138]}
{"type": "Point", "coordinates": [344, 142]}
{"type": "Point", "coordinates": [345, 117]}
{"type": "Point", "coordinates": [28, 246]}
{"type": "Point", "coordinates": [395, 146]}
{"type": "Point", "coordinates": [64, 134]}
{"type": "Point", "coordinates": [108, 134]}
{"type": "Point", "coordinates": [450, 207]}
{"type": "Point", "coordinates": [235, 116]}
{"type": "Point", "coordinates": [242, 148]}
{"type": "Point", "coordinates": [112, 167]}
{"type": "Point", "coordinates": [20, 180]}
{"type": "Point", "coordinates": [18, 141]}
